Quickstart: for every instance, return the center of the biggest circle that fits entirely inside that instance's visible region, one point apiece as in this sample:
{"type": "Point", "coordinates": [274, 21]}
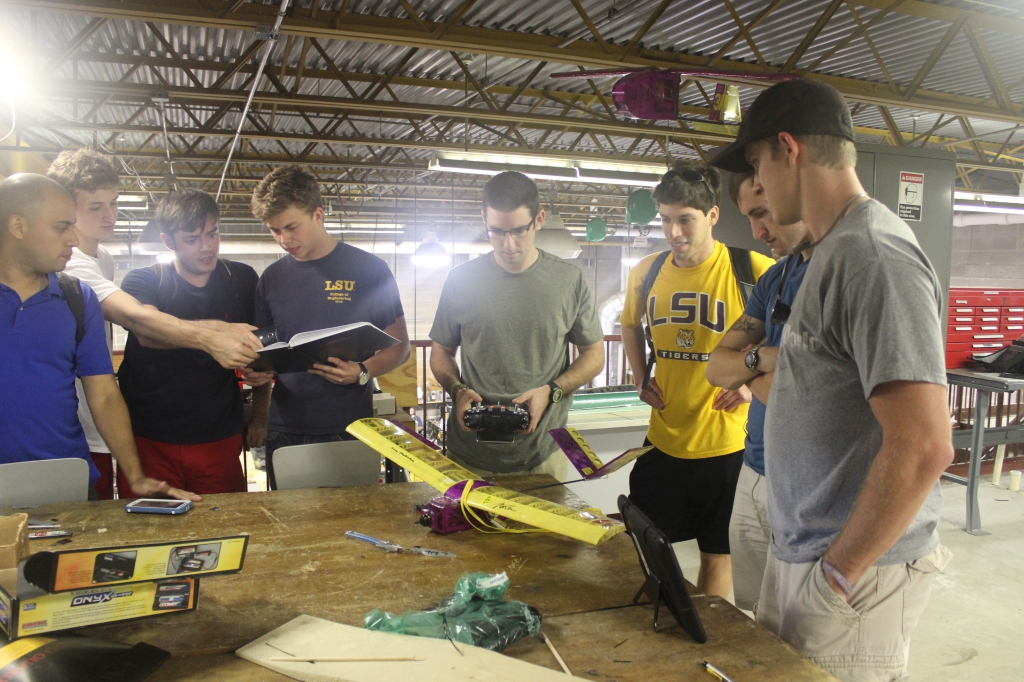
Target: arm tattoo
{"type": "Point", "coordinates": [745, 324]}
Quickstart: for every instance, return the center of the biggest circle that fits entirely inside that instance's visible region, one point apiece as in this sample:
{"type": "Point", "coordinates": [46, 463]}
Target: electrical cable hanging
{"type": "Point", "coordinates": [271, 40]}
{"type": "Point", "coordinates": [171, 180]}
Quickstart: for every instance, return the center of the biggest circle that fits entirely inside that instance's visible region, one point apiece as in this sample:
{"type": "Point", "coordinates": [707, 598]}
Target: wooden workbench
{"type": "Point", "coordinates": [299, 561]}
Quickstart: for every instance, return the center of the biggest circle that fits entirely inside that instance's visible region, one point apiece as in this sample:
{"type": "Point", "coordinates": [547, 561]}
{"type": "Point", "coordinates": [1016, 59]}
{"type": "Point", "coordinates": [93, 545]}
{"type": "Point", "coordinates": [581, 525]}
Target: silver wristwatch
{"type": "Point", "coordinates": [752, 358]}
{"type": "Point", "coordinates": [364, 375]}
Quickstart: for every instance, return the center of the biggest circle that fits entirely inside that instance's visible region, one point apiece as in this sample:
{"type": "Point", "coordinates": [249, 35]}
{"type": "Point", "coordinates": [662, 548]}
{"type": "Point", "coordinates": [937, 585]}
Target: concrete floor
{"type": "Point", "coordinates": [972, 627]}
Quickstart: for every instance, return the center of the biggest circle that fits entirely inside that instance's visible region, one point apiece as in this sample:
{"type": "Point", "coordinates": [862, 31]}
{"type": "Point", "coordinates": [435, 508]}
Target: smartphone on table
{"type": "Point", "coordinates": [158, 506]}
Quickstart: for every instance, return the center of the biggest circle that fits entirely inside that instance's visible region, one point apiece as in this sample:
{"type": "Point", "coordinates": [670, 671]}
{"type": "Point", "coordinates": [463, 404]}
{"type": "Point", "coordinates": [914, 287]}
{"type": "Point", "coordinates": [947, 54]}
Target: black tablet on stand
{"type": "Point", "coordinates": [663, 579]}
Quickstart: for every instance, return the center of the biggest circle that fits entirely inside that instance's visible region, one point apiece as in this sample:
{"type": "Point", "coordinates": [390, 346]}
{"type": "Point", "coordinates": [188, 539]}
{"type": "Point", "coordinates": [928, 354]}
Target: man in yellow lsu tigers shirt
{"type": "Point", "coordinates": [687, 483]}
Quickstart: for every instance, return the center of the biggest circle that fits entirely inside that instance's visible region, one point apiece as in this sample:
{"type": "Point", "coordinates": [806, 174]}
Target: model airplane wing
{"type": "Point", "coordinates": [426, 462]}
{"type": "Point", "coordinates": [586, 461]}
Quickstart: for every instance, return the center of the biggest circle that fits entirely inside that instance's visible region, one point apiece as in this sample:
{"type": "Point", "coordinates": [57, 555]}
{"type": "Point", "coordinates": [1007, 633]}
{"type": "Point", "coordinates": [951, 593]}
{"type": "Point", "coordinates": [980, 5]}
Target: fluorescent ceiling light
{"type": "Point", "coordinates": [971, 208]}
{"type": "Point", "coordinates": [630, 174]}
{"type": "Point", "coordinates": [997, 198]}
{"type": "Point", "coordinates": [165, 258]}
{"type": "Point", "coordinates": [130, 199]}
{"type": "Point", "coordinates": [612, 177]}
{"type": "Point", "coordinates": [631, 262]}
{"type": "Point", "coordinates": [347, 231]}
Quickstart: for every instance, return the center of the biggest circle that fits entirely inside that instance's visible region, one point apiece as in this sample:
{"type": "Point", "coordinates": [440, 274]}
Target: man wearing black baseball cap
{"type": "Point", "coordinates": [857, 430]}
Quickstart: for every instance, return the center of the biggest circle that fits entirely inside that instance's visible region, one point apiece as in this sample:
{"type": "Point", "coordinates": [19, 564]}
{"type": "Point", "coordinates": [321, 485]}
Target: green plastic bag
{"type": "Point", "coordinates": [475, 613]}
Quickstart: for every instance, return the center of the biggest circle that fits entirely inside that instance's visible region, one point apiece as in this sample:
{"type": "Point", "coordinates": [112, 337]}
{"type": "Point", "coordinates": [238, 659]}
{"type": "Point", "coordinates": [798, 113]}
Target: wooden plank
{"type": "Point", "coordinates": [401, 382]}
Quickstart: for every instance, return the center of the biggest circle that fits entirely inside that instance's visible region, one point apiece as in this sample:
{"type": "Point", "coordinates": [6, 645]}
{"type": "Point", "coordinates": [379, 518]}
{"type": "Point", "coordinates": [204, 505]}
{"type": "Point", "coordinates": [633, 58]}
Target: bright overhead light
{"type": "Point", "coordinates": [612, 177]}
{"type": "Point", "coordinates": [631, 261]}
{"type": "Point", "coordinates": [490, 168]}
{"type": "Point", "coordinates": [997, 198]}
{"type": "Point", "coordinates": [165, 258]}
{"type": "Point", "coordinates": [347, 231]}
{"type": "Point", "coordinates": [556, 240]}
{"type": "Point", "coordinates": [131, 199]}
{"type": "Point", "coordinates": [13, 71]}
{"type": "Point", "coordinates": [971, 208]}
{"type": "Point", "coordinates": [430, 255]}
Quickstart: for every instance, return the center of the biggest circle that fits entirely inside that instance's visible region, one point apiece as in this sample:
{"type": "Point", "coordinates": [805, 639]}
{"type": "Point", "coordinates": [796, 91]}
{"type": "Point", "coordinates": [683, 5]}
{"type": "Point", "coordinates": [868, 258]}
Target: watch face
{"type": "Point", "coordinates": [751, 360]}
{"type": "Point", "coordinates": [556, 395]}
{"type": "Point", "coordinates": [364, 378]}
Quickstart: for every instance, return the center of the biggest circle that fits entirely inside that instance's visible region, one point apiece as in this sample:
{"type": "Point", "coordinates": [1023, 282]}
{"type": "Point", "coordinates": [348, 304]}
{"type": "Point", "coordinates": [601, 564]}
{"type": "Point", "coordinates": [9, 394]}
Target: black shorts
{"type": "Point", "coordinates": [687, 498]}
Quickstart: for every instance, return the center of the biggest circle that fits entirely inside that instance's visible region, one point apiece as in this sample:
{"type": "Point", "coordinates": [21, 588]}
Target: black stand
{"type": "Point", "coordinates": [652, 588]}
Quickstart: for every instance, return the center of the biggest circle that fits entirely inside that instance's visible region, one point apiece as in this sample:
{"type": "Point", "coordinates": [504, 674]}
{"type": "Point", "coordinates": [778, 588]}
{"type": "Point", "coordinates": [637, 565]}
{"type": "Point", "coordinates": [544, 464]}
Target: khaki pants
{"type": "Point", "coordinates": [867, 640]}
{"type": "Point", "coordinates": [749, 537]}
{"type": "Point", "coordinates": [557, 465]}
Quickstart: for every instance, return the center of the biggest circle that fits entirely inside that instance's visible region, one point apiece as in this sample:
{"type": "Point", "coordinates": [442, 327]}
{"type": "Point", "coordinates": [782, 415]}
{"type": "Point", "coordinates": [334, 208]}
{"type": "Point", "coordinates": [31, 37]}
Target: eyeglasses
{"type": "Point", "coordinates": [691, 176]}
{"type": "Point", "coordinates": [516, 233]}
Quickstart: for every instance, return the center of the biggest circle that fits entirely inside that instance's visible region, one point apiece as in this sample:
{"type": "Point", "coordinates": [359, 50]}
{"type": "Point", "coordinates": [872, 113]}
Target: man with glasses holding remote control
{"type": "Point", "coordinates": [746, 356]}
{"type": "Point", "coordinates": [857, 427]}
{"type": "Point", "coordinates": [514, 312]}
{"type": "Point", "coordinates": [690, 296]}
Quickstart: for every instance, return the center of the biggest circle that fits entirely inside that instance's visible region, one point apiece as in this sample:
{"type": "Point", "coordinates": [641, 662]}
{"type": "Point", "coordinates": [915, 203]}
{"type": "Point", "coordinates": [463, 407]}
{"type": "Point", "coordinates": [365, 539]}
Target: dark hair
{"type": "Point", "coordinates": [83, 170]}
{"type": "Point", "coordinates": [185, 211]}
{"type": "Point", "coordinates": [284, 187]}
{"type": "Point", "coordinates": [674, 190]}
{"type": "Point", "coordinates": [736, 181]}
{"type": "Point", "coordinates": [23, 194]}
{"type": "Point", "coordinates": [509, 190]}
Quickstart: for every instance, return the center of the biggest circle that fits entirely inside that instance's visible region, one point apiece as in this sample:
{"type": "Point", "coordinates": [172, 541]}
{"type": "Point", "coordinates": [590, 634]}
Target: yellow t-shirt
{"type": "Point", "coordinates": [692, 310]}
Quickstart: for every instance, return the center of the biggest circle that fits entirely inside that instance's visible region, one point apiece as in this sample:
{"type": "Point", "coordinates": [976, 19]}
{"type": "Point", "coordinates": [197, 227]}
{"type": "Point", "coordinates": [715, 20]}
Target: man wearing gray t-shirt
{"type": "Point", "coordinates": [514, 312]}
{"type": "Point", "coordinates": [857, 428]}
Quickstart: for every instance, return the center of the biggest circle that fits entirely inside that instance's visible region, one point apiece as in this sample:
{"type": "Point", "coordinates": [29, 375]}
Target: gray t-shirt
{"type": "Point", "coordinates": [514, 331]}
{"type": "Point", "coordinates": [867, 314]}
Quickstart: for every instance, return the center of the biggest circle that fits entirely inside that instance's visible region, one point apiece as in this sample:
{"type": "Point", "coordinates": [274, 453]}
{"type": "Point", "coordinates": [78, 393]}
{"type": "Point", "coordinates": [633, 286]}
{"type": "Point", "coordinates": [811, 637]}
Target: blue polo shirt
{"type": "Point", "coordinates": [759, 307]}
{"type": "Point", "coordinates": [38, 366]}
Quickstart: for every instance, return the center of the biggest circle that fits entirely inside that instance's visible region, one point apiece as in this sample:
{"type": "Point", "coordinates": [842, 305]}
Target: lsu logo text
{"type": "Point", "coordinates": [340, 285]}
{"type": "Point", "coordinates": [97, 598]}
{"type": "Point", "coordinates": [689, 307]}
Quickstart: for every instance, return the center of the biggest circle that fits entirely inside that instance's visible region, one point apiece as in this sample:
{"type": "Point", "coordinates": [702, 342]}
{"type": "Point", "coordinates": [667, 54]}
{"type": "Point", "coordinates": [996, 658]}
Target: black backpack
{"type": "Point", "coordinates": [741, 268]}
{"type": "Point", "coordinates": [71, 288]}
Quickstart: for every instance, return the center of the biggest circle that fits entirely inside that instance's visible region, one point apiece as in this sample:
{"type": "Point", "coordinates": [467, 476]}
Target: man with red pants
{"type": "Point", "coordinates": [186, 409]}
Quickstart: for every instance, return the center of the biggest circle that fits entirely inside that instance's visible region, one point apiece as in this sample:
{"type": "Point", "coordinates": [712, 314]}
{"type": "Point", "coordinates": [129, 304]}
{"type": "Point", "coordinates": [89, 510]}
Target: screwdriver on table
{"type": "Point", "coordinates": [389, 546]}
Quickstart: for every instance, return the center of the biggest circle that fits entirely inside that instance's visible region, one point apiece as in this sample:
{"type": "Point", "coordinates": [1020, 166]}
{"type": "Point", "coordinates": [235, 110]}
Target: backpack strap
{"type": "Point", "coordinates": [743, 271]}
{"type": "Point", "coordinates": [649, 279]}
{"type": "Point", "coordinates": [71, 288]}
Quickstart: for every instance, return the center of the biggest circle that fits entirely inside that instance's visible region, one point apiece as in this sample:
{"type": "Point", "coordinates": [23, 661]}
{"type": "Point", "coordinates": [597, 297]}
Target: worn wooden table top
{"type": "Point", "coordinates": [299, 561]}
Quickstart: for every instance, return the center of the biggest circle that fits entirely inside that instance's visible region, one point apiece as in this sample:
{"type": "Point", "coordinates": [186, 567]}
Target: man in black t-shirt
{"type": "Point", "coordinates": [186, 409]}
{"type": "Point", "coordinates": [319, 284]}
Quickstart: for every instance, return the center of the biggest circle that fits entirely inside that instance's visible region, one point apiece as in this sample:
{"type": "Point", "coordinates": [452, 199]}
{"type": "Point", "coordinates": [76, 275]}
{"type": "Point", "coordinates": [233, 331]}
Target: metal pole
{"type": "Point", "coordinates": [255, 83]}
{"type": "Point", "coordinates": [981, 404]}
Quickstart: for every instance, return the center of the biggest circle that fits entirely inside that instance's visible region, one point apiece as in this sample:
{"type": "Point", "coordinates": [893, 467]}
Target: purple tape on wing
{"type": "Point", "coordinates": [411, 430]}
{"type": "Point", "coordinates": [455, 492]}
{"type": "Point", "coordinates": [572, 451]}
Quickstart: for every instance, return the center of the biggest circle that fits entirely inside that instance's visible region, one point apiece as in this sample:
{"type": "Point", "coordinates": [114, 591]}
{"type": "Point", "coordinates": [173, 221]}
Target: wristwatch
{"type": "Point", "coordinates": [364, 375]}
{"type": "Point", "coordinates": [556, 392]}
{"type": "Point", "coordinates": [456, 387]}
{"type": "Point", "coordinates": [750, 361]}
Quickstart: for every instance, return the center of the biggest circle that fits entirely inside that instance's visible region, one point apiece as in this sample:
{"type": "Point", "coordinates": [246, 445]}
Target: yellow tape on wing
{"type": "Point", "coordinates": [408, 452]}
{"type": "Point", "coordinates": [549, 516]}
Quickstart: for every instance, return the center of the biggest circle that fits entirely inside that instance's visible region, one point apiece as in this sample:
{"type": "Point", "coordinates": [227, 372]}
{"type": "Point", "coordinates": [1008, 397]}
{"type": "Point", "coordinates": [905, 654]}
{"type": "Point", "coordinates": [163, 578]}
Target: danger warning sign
{"type": "Point", "coordinates": [911, 195]}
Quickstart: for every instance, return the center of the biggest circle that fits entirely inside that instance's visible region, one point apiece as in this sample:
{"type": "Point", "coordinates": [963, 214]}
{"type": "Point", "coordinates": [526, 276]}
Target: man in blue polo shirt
{"type": "Point", "coordinates": [746, 356]}
{"type": "Point", "coordinates": [41, 357]}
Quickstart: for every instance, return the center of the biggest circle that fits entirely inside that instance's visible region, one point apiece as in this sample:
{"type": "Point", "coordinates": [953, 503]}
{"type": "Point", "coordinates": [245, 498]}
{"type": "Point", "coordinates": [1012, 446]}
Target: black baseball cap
{"type": "Point", "coordinates": [797, 107]}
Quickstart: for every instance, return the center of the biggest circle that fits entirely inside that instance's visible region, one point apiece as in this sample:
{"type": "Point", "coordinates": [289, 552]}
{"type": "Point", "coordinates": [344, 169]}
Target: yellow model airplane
{"type": "Point", "coordinates": [424, 460]}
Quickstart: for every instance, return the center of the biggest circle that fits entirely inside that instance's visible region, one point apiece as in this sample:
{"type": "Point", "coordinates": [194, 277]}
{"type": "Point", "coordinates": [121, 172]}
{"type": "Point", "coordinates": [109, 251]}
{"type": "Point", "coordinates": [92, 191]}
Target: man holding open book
{"type": "Point", "coordinates": [319, 284]}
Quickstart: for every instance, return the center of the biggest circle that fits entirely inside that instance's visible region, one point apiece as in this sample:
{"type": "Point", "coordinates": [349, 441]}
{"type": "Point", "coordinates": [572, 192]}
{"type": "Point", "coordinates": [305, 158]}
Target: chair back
{"type": "Point", "coordinates": [30, 484]}
{"type": "Point", "coordinates": [337, 464]}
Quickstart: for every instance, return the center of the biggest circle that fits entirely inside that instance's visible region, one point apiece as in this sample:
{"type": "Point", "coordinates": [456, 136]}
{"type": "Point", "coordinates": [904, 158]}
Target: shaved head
{"type": "Point", "coordinates": [37, 221]}
{"type": "Point", "coordinates": [25, 194]}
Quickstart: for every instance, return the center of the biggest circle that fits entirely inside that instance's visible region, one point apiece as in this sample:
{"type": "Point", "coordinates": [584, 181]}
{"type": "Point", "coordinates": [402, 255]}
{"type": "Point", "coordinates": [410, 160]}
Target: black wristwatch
{"type": "Point", "coordinates": [556, 392]}
{"type": "Point", "coordinates": [752, 358]}
{"type": "Point", "coordinates": [364, 375]}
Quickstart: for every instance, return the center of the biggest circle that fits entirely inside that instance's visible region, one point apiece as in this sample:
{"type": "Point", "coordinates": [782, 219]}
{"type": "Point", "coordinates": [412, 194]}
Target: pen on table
{"type": "Point", "coordinates": [716, 672]}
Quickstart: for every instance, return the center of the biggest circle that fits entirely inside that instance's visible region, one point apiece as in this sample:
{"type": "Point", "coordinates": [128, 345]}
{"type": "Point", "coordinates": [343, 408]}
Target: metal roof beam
{"type": "Point", "coordinates": [533, 47]}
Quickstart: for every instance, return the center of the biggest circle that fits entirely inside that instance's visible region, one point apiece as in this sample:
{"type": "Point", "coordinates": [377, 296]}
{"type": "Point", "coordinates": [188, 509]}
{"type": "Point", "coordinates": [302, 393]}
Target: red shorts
{"type": "Point", "coordinates": [204, 469]}
{"type": "Point", "coordinates": [104, 485]}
